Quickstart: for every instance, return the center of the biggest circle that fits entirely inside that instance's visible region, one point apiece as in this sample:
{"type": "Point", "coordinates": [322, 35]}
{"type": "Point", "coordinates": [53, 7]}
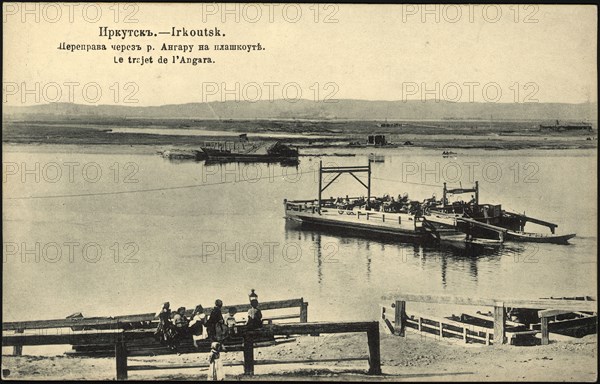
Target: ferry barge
{"type": "Point", "coordinates": [356, 213]}
{"type": "Point", "coordinates": [456, 223]}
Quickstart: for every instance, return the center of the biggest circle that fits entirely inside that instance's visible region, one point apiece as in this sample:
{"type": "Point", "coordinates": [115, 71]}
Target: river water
{"type": "Point", "coordinates": [119, 233]}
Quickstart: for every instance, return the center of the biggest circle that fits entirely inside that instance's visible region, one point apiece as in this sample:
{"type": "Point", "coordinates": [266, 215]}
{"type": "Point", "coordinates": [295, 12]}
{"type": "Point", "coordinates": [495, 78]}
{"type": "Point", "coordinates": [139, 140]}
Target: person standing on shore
{"type": "Point", "coordinates": [231, 322]}
{"type": "Point", "coordinates": [215, 370]}
{"type": "Point", "coordinates": [164, 324]}
{"type": "Point", "coordinates": [196, 326]}
{"type": "Point", "coordinates": [254, 316]}
{"type": "Point", "coordinates": [215, 319]}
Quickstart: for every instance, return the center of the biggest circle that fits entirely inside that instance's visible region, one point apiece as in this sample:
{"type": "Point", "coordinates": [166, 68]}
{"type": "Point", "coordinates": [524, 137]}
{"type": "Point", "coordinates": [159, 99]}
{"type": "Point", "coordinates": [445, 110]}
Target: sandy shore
{"type": "Point", "coordinates": [412, 358]}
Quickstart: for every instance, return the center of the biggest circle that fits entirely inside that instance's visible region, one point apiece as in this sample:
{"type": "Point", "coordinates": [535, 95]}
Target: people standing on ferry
{"type": "Point", "coordinates": [473, 201]}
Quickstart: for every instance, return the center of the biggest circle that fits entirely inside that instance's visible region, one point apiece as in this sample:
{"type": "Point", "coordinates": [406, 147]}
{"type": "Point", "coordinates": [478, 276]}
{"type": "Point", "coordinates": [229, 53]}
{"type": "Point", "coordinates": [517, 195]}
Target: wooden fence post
{"type": "Point", "coordinates": [544, 330]}
{"type": "Point", "coordinates": [374, 352]}
{"type": "Point", "coordinates": [248, 357]}
{"type": "Point", "coordinates": [499, 323]}
{"type": "Point", "coordinates": [304, 312]}
{"type": "Point", "coordinates": [399, 317]}
{"type": "Point", "coordinates": [18, 349]}
{"type": "Point", "coordinates": [121, 357]}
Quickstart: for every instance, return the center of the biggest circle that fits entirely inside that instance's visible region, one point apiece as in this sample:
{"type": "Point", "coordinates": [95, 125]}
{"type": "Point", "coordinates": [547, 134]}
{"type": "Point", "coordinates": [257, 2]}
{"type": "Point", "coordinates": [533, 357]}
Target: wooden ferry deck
{"type": "Point", "coordinates": [325, 213]}
{"type": "Point", "coordinates": [402, 224]}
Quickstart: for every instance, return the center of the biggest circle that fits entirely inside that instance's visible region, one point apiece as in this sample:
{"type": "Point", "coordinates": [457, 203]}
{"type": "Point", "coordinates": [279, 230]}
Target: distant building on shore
{"type": "Point", "coordinates": [376, 140]}
{"type": "Point", "coordinates": [389, 125]}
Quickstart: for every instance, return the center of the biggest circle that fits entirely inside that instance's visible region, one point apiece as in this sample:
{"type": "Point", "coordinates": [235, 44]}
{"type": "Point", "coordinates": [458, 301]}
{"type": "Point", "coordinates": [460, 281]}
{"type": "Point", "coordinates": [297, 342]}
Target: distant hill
{"type": "Point", "coordinates": [306, 109]}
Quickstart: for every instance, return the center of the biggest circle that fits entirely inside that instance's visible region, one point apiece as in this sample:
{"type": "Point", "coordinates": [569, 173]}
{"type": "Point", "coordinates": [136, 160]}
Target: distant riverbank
{"type": "Point", "coordinates": [324, 134]}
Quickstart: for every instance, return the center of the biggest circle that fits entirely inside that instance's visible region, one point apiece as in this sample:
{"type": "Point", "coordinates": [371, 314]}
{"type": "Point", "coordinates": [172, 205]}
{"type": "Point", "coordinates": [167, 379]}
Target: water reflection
{"type": "Point", "coordinates": [316, 238]}
{"type": "Point", "coordinates": [451, 257]}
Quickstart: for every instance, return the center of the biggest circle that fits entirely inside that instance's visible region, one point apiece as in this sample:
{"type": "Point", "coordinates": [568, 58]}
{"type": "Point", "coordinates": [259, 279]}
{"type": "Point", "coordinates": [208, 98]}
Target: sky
{"type": "Point", "coordinates": [482, 53]}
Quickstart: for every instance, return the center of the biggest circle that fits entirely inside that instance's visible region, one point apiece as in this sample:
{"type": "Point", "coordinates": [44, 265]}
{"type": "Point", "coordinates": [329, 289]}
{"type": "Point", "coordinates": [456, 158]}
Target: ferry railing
{"type": "Point", "coordinates": [392, 217]}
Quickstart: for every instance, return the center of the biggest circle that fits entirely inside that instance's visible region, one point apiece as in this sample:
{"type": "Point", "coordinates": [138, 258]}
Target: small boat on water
{"type": "Point", "coordinates": [182, 154]}
{"type": "Point", "coordinates": [343, 154]}
{"type": "Point", "coordinates": [448, 154]}
{"type": "Point", "coordinates": [462, 238]}
{"type": "Point", "coordinates": [539, 237]}
{"type": "Point", "coordinates": [277, 152]}
{"type": "Point", "coordinates": [374, 158]}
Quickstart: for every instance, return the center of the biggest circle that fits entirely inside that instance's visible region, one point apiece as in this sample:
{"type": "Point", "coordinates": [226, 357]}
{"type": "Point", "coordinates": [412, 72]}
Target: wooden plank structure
{"type": "Point", "coordinates": [240, 363]}
{"type": "Point", "coordinates": [474, 223]}
{"type": "Point", "coordinates": [339, 171]}
{"type": "Point", "coordinates": [438, 327]}
{"type": "Point", "coordinates": [120, 322]}
{"type": "Point", "coordinates": [120, 339]}
{"type": "Point", "coordinates": [115, 331]}
{"type": "Point", "coordinates": [79, 331]}
{"type": "Point", "coordinates": [457, 191]}
{"type": "Point", "coordinates": [544, 223]}
{"type": "Point", "coordinates": [547, 307]}
{"type": "Point", "coordinates": [370, 328]}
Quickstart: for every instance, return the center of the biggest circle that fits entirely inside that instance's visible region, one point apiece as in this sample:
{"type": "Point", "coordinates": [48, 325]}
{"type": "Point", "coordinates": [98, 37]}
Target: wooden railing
{"type": "Point", "coordinates": [547, 307]}
{"type": "Point", "coordinates": [108, 330]}
{"type": "Point", "coordinates": [119, 337]}
{"type": "Point", "coordinates": [371, 328]}
{"type": "Point", "coordinates": [392, 217]}
{"type": "Point", "coordinates": [120, 321]}
{"type": "Point", "coordinates": [442, 327]}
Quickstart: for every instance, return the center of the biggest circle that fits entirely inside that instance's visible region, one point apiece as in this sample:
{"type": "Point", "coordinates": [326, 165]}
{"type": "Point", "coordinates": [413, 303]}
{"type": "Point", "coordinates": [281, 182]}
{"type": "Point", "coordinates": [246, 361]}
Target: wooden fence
{"type": "Point", "coordinates": [370, 328]}
{"type": "Point", "coordinates": [121, 321]}
{"type": "Point", "coordinates": [118, 335]}
{"type": "Point", "coordinates": [108, 330]}
{"type": "Point", "coordinates": [547, 308]}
